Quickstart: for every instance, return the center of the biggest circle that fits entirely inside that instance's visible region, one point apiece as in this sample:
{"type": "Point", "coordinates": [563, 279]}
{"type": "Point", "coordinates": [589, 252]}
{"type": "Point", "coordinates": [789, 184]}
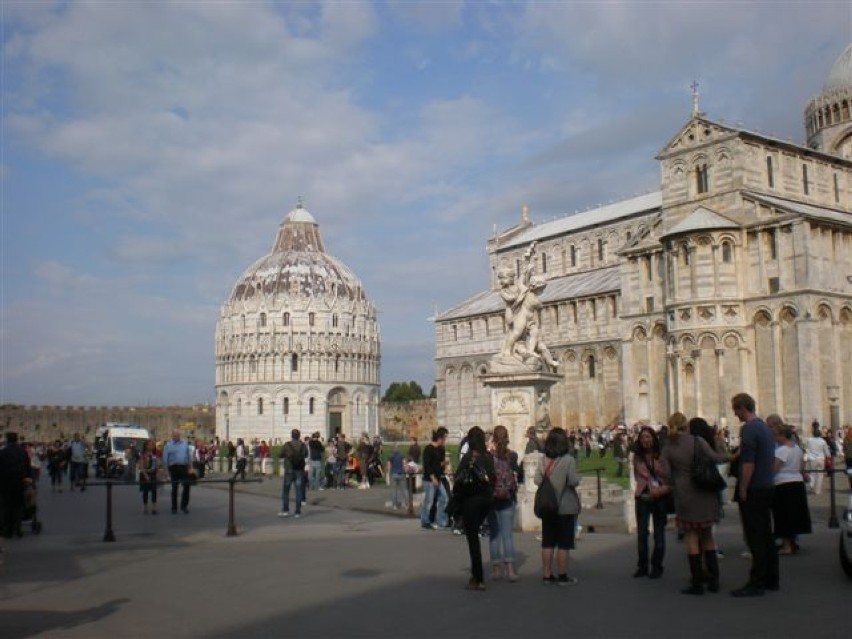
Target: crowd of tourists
{"type": "Point", "coordinates": [678, 469]}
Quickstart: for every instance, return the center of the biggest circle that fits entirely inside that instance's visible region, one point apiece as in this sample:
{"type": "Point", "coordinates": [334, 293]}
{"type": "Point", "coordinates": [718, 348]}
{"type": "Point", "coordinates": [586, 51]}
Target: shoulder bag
{"type": "Point", "coordinates": [705, 474]}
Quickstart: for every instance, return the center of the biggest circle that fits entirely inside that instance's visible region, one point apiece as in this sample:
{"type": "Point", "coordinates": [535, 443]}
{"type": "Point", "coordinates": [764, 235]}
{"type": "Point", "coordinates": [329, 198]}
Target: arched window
{"type": "Point", "coordinates": [260, 405]}
{"type": "Point", "coordinates": [285, 405]}
{"type": "Point", "coordinates": [727, 254]}
{"type": "Point", "coordinates": [311, 406]}
{"type": "Point", "coordinates": [601, 255]}
{"type": "Point", "coordinates": [685, 251]}
{"type": "Point", "coordinates": [311, 318]}
{"type": "Point", "coordinates": [544, 262]}
{"type": "Point", "coordinates": [239, 407]}
{"type": "Point", "coordinates": [334, 321]}
{"type": "Point", "coordinates": [337, 364]}
{"type": "Point", "coordinates": [243, 321]}
{"type": "Point", "coordinates": [262, 320]}
{"type": "Point", "coordinates": [591, 367]}
{"type": "Point", "coordinates": [770, 175]}
{"type": "Point", "coordinates": [806, 186]}
{"type": "Point", "coordinates": [702, 181]}
{"type": "Point", "coordinates": [294, 363]}
{"type": "Point", "coordinates": [286, 319]}
{"type": "Point", "coordinates": [573, 255]}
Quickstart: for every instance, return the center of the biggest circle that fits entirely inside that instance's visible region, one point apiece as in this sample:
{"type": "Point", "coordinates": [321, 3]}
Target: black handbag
{"type": "Point", "coordinates": [705, 474]}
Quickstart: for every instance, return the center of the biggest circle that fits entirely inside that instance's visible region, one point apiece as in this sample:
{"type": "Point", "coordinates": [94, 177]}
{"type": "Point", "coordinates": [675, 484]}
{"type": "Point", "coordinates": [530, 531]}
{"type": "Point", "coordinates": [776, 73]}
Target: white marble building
{"type": "Point", "coordinates": [735, 276]}
{"type": "Point", "coordinates": [297, 344]}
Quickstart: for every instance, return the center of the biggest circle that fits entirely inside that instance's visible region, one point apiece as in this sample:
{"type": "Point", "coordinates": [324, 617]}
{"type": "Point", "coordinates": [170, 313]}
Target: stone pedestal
{"type": "Point", "coordinates": [520, 400]}
{"type": "Point", "coordinates": [525, 519]}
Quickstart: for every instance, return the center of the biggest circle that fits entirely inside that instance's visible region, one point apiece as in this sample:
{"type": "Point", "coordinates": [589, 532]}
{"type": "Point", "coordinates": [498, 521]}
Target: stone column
{"type": "Point", "coordinates": [778, 373]}
{"type": "Point", "coordinates": [696, 363]}
{"type": "Point", "coordinates": [721, 400]}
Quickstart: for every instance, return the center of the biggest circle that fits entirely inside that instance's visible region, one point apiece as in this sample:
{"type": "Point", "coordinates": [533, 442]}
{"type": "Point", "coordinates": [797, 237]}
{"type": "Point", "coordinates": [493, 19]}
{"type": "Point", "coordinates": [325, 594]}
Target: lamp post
{"type": "Point", "coordinates": [833, 393]}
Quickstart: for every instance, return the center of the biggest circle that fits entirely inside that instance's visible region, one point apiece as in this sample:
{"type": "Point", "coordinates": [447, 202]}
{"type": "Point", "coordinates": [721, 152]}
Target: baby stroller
{"type": "Point", "coordinates": [31, 506]}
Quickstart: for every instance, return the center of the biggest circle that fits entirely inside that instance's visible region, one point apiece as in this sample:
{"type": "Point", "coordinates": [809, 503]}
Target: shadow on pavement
{"type": "Point", "coordinates": [18, 624]}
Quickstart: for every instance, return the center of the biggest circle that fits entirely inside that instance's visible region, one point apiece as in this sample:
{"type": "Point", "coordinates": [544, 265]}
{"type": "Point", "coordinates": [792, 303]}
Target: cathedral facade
{"type": "Point", "coordinates": [736, 276]}
{"type": "Point", "coordinates": [297, 344]}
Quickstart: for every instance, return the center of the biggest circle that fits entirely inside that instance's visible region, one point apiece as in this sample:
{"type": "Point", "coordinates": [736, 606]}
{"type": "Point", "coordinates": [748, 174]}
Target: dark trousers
{"type": "Point", "coordinates": [647, 511]}
{"type": "Point", "coordinates": [756, 515]}
{"type": "Point", "coordinates": [12, 500]}
{"type": "Point", "coordinates": [241, 469]}
{"type": "Point", "coordinates": [149, 488]}
{"type": "Point", "coordinates": [474, 511]}
{"type": "Point", "coordinates": [179, 474]}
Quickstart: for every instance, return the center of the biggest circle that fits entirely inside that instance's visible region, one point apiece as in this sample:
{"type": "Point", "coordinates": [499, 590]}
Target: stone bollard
{"type": "Point", "coordinates": [525, 519]}
{"type": "Point", "coordinates": [220, 464]}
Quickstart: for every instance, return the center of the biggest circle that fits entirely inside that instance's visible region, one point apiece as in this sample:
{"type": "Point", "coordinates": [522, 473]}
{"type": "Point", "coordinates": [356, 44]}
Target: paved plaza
{"type": "Point", "coordinates": [346, 569]}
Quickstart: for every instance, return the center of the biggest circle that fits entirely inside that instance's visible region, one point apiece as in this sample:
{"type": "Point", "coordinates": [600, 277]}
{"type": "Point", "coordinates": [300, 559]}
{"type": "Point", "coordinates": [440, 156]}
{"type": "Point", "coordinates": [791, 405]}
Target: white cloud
{"type": "Point", "coordinates": [195, 126]}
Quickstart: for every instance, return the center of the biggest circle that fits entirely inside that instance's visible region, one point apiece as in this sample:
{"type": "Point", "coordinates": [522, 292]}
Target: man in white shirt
{"type": "Point", "coordinates": [816, 452]}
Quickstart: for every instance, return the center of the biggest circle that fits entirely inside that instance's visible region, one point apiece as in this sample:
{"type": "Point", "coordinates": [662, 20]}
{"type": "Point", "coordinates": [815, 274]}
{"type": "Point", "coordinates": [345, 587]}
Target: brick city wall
{"type": "Point", "coordinates": [48, 423]}
{"type": "Point", "coordinates": [401, 420]}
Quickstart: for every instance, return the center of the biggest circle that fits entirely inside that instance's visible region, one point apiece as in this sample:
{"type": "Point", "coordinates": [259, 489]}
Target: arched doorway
{"type": "Point", "coordinates": [337, 405]}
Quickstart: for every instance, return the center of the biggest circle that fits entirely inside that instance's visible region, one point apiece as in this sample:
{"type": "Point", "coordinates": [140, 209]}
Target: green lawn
{"type": "Point", "coordinates": [586, 466]}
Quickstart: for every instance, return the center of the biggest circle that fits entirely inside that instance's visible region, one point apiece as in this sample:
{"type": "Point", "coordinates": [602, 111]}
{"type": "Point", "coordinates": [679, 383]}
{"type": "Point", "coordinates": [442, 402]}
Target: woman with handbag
{"type": "Point", "coordinates": [558, 528]}
{"type": "Point", "coordinates": [653, 496]}
{"type": "Point", "coordinates": [473, 490]}
{"type": "Point", "coordinates": [696, 506]}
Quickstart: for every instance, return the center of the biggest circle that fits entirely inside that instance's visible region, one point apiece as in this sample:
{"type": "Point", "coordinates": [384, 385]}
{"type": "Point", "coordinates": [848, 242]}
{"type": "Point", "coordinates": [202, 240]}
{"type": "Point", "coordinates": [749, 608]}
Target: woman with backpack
{"type": "Point", "coordinates": [501, 518]}
{"type": "Point", "coordinates": [474, 490]}
{"type": "Point", "coordinates": [559, 521]}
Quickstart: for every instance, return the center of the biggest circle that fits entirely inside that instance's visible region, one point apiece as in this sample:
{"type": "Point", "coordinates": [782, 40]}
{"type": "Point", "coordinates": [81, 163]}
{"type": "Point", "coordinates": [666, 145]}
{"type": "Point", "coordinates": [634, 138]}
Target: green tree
{"type": "Point", "coordinates": [403, 392]}
{"type": "Point", "coordinates": [433, 394]}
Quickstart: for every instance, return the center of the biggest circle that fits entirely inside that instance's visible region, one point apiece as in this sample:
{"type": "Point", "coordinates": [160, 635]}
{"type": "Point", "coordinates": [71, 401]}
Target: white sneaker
{"type": "Point", "coordinates": [304, 503]}
{"type": "Point", "coordinates": [297, 516]}
{"type": "Point", "coordinates": [284, 513]}
{"type": "Point", "coordinates": [745, 554]}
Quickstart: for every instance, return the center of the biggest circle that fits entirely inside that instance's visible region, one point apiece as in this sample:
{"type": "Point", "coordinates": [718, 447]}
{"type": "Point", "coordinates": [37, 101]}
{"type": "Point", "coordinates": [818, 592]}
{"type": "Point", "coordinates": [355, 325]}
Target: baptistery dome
{"type": "Point", "coordinates": [297, 343]}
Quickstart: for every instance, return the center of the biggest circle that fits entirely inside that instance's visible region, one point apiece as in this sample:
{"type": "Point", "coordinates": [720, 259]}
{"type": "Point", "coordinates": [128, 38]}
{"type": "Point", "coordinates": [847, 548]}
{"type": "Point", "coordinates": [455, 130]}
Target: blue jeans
{"type": "Point", "coordinates": [340, 474]}
{"type": "Point", "coordinates": [316, 474]}
{"type": "Point", "coordinates": [501, 525]}
{"type": "Point", "coordinates": [292, 477]}
{"type": "Point", "coordinates": [428, 498]}
{"type": "Point", "coordinates": [400, 491]}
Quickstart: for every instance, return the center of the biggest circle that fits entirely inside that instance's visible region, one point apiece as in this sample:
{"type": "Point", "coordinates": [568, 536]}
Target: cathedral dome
{"type": "Point", "coordinates": [840, 76]}
{"type": "Point", "coordinates": [298, 266]}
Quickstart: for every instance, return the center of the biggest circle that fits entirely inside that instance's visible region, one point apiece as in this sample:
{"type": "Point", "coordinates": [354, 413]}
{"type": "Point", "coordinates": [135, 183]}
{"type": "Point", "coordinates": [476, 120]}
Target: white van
{"type": "Point", "coordinates": [114, 440]}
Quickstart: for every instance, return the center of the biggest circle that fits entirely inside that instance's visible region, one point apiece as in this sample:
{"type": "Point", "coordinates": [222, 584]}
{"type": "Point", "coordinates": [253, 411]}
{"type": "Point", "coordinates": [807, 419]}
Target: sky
{"type": "Point", "coordinates": [150, 150]}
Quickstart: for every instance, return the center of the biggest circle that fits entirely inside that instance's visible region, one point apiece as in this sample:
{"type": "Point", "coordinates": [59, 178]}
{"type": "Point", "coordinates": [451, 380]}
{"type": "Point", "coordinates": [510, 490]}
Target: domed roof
{"type": "Point", "coordinates": [298, 266]}
{"type": "Point", "coordinates": [840, 76]}
{"type": "Point", "coordinates": [300, 214]}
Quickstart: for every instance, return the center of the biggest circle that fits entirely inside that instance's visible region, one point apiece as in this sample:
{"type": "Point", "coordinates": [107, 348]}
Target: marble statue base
{"type": "Point", "coordinates": [525, 519]}
{"type": "Point", "coordinates": [521, 399]}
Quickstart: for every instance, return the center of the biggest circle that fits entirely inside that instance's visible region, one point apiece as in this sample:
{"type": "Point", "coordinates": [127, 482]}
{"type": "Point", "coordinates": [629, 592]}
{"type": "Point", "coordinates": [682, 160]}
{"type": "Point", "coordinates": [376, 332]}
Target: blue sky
{"type": "Point", "coordinates": [150, 150]}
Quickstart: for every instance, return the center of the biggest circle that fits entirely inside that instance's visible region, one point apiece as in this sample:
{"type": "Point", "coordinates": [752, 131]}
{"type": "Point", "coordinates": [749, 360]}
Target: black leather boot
{"type": "Point", "coordinates": [696, 584]}
{"type": "Point", "coordinates": [711, 562]}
